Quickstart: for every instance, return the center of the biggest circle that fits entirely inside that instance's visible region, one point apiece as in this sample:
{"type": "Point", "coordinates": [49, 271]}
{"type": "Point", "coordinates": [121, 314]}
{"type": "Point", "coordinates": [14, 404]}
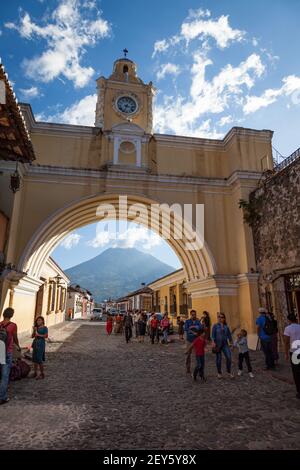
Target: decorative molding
{"type": "Point", "coordinates": [162, 139]}
{"type": "Point", "coordinates": [28, 286]}
{"type": "Point", "coordinates": [127, 174]}
{"type": "Point", "coordinates": [219, 284]}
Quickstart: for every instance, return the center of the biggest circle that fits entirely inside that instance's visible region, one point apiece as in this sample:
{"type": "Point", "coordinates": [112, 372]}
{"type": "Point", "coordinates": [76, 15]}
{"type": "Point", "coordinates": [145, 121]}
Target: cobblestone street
{"type": "Point", "coordinates": [100, 393]}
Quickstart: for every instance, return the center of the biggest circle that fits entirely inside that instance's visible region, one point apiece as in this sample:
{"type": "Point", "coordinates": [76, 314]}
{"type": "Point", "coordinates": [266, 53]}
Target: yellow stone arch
{"type": "Point", "coordinates": [197, 264]}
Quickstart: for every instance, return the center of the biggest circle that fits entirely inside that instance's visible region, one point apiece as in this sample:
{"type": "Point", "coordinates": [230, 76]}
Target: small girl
{"type": "Point", "coordinates": [199, 346]}
{"type": "Point", "coordinates": [40, 333]}
{"type": "Point", "coordinates": [242, 344]}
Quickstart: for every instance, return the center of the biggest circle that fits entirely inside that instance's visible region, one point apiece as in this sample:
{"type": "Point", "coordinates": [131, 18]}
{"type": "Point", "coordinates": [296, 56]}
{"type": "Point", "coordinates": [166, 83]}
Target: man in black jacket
{"type": "Point", "coordinates": [128, 324]}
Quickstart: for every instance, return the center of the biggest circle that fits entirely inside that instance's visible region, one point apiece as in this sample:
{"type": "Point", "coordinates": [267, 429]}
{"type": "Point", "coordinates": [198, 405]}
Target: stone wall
{"type": "Point", "coordinates": [276, 232]}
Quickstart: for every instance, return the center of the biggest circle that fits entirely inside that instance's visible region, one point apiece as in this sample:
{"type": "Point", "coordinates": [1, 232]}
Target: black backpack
{"type": "Point", "coordinates": [3, 335]}
{"type": "Point", "coordinates": [269, 327]}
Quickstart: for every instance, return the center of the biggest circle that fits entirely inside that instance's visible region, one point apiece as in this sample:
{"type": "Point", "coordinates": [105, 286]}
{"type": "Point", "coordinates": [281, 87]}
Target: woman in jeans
{"type": "Point", "coordinates": [222, 340]}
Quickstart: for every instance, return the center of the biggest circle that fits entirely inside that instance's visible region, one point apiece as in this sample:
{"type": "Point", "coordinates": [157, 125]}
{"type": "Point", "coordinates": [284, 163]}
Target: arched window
{"type": "Point", "coordinates": [125, 69]}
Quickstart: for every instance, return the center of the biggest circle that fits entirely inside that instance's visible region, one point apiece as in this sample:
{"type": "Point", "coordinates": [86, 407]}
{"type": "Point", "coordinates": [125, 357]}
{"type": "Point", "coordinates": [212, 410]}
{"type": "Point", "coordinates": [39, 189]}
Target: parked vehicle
{"type": "Point", "coordinates": [97, 314]}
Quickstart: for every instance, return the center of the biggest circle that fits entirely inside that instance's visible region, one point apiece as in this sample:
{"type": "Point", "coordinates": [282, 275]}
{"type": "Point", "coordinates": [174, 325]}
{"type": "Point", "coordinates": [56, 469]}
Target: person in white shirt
{"type": "Point", "coordinates": [292, 348]}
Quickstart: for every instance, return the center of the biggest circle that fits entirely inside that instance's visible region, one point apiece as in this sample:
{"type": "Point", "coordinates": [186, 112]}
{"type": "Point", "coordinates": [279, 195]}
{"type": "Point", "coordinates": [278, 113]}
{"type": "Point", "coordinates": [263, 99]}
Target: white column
{"type": "Point", "coordinates": [138, 153]}
{"type": "Point", "coordinates": [116, 150]}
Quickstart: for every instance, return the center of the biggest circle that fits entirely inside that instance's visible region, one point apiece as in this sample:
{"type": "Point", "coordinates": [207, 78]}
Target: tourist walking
{"type": "Point", "coordinates": [154, 328]}
{"type": "Point", "coordinates": [291, 336]}
{"type": "Point", "coordinates": [109, 324]}
{"type": "Point", "coordinates": [165, 325]}
{"type": "Point", "coordinates": [128, 324]}
{"type": "Point", "coordinates": [222, 340]}
{"type": "Point", "coordinates": [40, 333]}
{"type": "Point", "coordinates": [242, 344]}
{"type": "Point", "coordinates": [180, 323]}
{"type": "Point", "coordinates": [205, 320]}
{"type": "Point", "coordinates": [142, 322]}
{"type": "Point", "coordinates": [274, 338]}
{"type": "Point", "coordinates": [265, 329]}
{"type": "Point", "coordinates": [118, 324]}
{"type": "Point", "coordinates": [199, 347]}
{"type": "Point", "coordinates": [8, 335]}
{"type": "Point", "coordinates": [135, 322]}
{"type": "Point", "coordinates": [189, 328]}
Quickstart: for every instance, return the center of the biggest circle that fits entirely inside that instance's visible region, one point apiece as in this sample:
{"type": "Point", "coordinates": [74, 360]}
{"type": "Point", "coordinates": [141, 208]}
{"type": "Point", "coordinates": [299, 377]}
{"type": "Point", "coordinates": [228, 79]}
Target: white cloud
{"type": "Point", "coordinates": [199, 25]}
{"type": "Point", "coordinates": [138, 236]}
{"type": "Point", "coordinates": [125, 236]}
{"type": "Point", "coordinates": [167, 69]}
{"type": "Point", "coordinates": [219, 30]}
{"type": "Point", "coordinates": [67, 34]}
{"type": "Point", "coordinates": [71, 240]}
{"type": "Point", "coordinates": [160, 46]}
{"type": "Point", "coordinates": [225, 120]}
{"type": "Point", "coordinates": [32, 92]}
{"type": "Point", "coordinates": [82, 113]}
{"type": "Point", "coordinates": [181, 115]}
{"type": "Point", "coordinates": [290, 87]}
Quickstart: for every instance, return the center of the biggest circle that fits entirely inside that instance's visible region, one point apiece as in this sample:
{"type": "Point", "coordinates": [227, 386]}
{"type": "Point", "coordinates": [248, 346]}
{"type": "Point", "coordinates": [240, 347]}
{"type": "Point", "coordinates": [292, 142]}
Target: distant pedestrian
{"type": "Point", "coordinates": [199, 347]}
{"type": "Point", "coordinates": [128, 324]}
{"type": "Point", "coordinates": [9, 335]}
{"type": "Point", "coordinates": [291, 336]}
{"type": "Point", "coordinates": [118, 324]}
{"type": "Point", "coordinates": [165, 326]}
{"type": "Point", "coordinates": [189, 328]}
{"type": "Point", "coordinates": [142, 323]}
{"type": "Point", "coordinates": [40, 333]}
{"type": "Point", "coordinates": [265, 330]}
{"type": "Point", "coordinates": [109, 324]}
{"type": "Point", "coordinates": [242, 344]}
{"type": "Point", "coordinates": [222, 340]}
{"type": "Point", "coordinates": [180, 323]}
{"type": "Point", "coordinates": [154, 328]}
{"type": "Point", "coordinates": [135, 322]}
{"type": "Point", "coordinates": [274, 338]}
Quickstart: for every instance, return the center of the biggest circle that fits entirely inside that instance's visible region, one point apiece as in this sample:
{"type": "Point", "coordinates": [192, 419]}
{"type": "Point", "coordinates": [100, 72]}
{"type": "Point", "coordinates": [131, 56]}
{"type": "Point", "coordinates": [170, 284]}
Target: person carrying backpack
{"type": "Point", "coordinates": [8, 336]}
{"type": "Point", "coordinates": [265, 330]}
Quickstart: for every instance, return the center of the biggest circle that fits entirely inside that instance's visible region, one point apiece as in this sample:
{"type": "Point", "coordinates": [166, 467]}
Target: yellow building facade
{"type": "Point", "coordinates": [79, 168]}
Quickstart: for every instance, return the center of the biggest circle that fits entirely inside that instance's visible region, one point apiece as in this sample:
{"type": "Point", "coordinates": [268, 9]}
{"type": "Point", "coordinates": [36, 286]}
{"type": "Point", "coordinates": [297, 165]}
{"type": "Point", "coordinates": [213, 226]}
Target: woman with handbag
{"type": "Point", "coordinates": [222, 341]}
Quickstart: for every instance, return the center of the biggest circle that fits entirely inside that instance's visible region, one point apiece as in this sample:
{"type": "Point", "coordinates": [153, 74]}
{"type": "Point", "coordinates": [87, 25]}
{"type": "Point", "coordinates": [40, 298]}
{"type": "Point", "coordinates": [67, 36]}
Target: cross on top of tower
{"type": "Point", "coordinates": [125, 52]}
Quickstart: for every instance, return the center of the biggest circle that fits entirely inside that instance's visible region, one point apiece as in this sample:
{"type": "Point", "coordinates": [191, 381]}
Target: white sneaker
{"type": "Point", "coordinates": [251, 375]}
{"type": "Point", "coordinates": [219, 376]}
{"type": "Point", "coordinates": [240, 372]}
{"type": "Point", "coordinates": [231, 375]}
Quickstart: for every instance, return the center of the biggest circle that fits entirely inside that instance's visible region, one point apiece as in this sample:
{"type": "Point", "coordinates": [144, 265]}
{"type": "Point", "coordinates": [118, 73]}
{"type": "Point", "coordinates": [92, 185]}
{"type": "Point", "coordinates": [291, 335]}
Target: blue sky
{"type": "Point", "coordinates": [215, 64]}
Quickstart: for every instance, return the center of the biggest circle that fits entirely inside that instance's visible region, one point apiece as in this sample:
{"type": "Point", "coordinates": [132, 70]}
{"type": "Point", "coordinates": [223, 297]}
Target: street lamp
{"type": "Point", "coordinates": [15, 181]}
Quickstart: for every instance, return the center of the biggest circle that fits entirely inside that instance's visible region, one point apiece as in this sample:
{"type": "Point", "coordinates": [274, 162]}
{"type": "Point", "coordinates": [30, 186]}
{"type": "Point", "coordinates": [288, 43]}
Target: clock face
{"type": "Point", "coordinates": [126, 105]}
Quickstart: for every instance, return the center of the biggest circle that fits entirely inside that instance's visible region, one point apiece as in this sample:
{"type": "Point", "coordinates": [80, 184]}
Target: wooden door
{"type": "Point", "coordinates": [39, 302]}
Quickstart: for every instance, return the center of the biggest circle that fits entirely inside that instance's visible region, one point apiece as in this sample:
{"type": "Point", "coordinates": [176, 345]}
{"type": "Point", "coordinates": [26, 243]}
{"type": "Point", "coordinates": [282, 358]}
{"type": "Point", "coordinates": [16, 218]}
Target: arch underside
{"type": "Point", "coordinates": [197, 264]}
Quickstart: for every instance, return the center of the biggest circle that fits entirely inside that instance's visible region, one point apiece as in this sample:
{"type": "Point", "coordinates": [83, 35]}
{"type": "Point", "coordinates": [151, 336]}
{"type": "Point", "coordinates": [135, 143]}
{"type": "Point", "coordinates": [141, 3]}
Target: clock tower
{"type": "Point", "coordinates": [124, 98]}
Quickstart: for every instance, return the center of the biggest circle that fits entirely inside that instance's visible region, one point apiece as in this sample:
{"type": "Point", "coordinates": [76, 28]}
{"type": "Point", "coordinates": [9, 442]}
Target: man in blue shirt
{"type": "Point", "coordinates": [265, 339]}
{"type": "Point", "coordinates": [189, 327]}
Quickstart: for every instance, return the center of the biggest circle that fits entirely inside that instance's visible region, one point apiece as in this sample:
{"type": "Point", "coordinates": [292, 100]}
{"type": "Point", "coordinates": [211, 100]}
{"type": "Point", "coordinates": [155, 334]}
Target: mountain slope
{"type": "Point", "coordinates": [117, 271]}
